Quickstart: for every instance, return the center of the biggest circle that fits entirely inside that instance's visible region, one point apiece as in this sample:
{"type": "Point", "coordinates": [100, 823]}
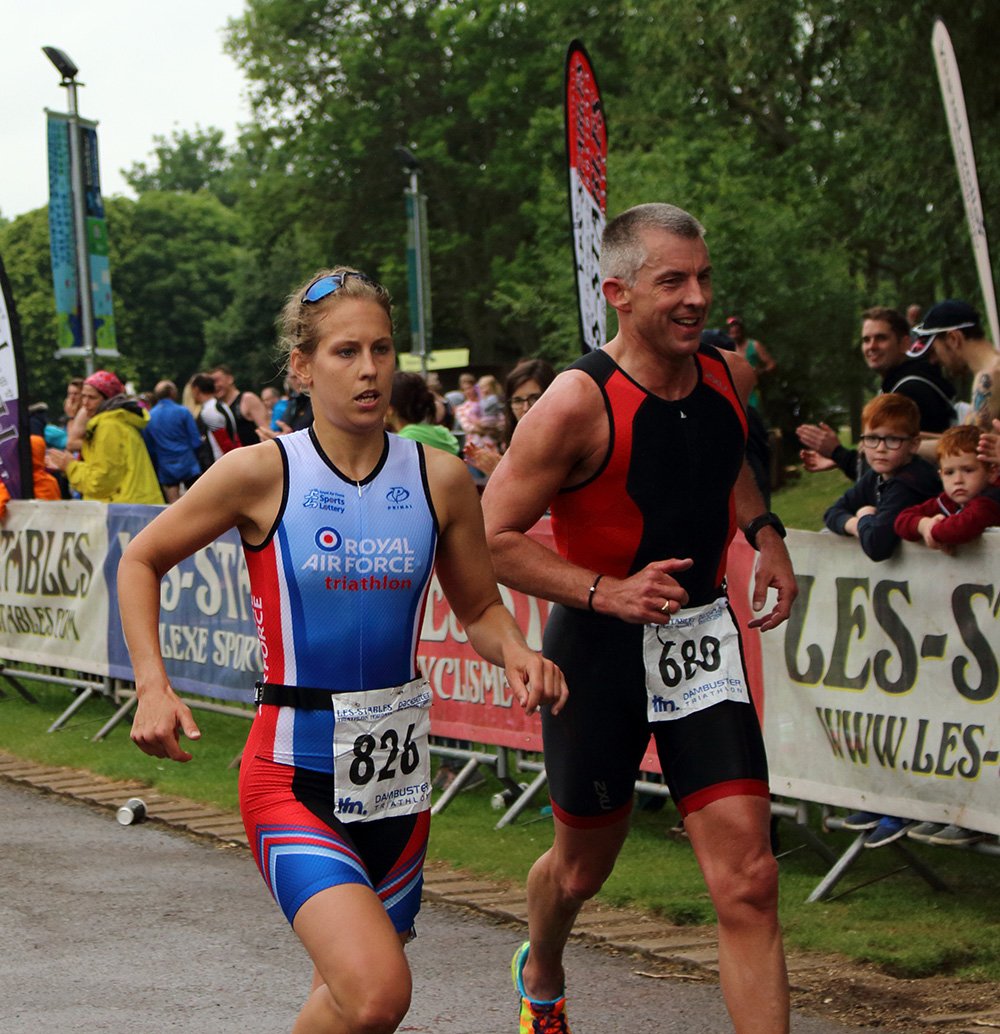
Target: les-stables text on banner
{"type": "Point", "coordinates": [880, 692]}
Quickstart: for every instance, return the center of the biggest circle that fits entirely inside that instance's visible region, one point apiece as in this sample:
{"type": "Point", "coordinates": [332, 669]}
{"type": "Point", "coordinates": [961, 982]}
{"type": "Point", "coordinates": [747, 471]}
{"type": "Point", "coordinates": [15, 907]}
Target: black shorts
{"type": "Point", "coordinates": [594, 746]}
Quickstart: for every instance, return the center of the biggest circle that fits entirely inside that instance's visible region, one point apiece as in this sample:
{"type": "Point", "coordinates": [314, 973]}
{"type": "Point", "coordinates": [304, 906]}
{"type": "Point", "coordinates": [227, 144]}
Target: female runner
{"type": "Point", "coordinates": [342, 524]}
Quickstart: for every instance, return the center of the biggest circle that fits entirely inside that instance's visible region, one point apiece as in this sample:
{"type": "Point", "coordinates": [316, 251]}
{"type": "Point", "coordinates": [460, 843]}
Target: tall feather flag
{"type": "Point", "coordinates": [15, 443]}
{"type": "Point", "coordinates": [965, 160]}
{"type": "Point", "coordinates": [587, 161]}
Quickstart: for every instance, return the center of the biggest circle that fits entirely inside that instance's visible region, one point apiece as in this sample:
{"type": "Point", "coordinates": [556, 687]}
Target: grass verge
{"type": "Point", "coordinates": [898, 922]}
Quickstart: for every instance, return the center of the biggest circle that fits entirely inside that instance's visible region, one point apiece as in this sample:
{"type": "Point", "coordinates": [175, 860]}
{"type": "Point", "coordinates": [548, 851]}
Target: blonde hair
{"type": "Point", "coordinates": [299, 319]}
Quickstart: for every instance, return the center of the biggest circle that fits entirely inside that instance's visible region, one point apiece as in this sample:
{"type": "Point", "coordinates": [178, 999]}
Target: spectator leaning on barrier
{"type": "Point", "coordinates": [896, 478]}
{"type": "Point", "coordinates": [115, 466]}
{"type": "Point", "coordinates": [969, 504]}
{"type": "Point", "coordinates": [174, 440]}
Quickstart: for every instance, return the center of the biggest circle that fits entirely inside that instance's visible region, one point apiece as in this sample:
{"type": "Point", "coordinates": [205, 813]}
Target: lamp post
{"type": "Point", "coordinates": [68, 70]}
{"type": "Point", "coordinates": [417, 258]}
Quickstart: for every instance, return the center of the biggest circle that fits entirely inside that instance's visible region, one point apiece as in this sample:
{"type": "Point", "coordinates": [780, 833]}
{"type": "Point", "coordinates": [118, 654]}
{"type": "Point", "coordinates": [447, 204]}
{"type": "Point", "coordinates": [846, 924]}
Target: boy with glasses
{"type": "Point", "coordinates": [896, 478]}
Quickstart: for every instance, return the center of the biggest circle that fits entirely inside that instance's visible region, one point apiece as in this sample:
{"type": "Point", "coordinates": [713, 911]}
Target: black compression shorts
{"type": "Point", "coordinates": [594, 746]}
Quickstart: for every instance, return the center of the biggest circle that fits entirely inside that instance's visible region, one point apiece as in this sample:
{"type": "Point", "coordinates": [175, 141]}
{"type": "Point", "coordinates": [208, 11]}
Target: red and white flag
{"type": "Point", "coordinates": [587, 156]}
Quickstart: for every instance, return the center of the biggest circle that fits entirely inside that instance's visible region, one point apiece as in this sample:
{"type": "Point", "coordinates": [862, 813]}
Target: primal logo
{"type": "Point", "coordinates": [396, 498]}
{"type": "Point", "coordinates": [329, 539]}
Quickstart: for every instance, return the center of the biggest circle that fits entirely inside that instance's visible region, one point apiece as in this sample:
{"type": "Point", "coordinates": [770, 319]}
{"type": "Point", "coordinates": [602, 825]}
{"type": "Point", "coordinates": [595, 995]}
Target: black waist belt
{"type": "Point", "coordinates": [293, 696]}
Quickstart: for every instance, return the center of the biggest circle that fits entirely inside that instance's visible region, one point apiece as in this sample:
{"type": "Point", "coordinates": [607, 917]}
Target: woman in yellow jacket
{"type": "Point", "coordinates": [114, 464]}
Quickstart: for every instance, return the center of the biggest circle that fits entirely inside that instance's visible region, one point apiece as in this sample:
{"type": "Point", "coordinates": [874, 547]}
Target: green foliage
{"type": "Point", "coordinates": [173, 263]}
{"type": "Point", "coordinates": [807, 135]}
{"type": "Point", "coordinates": [188, 162]}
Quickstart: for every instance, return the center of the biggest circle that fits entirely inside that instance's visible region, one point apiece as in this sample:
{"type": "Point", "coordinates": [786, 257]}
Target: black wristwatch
{"type": "Point", "coordinates": [765, 520]}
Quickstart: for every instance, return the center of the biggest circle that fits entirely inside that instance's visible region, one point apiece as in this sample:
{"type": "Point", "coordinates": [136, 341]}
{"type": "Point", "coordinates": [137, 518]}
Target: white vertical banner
{"type": "Point", "coordinates": [965, 160]}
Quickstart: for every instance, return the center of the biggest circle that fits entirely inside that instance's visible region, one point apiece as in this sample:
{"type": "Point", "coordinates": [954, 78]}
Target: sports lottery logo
{"type": "Point", "coordinates": [318, 499]}
{"type": "Point", "coordinates": [329, 539]}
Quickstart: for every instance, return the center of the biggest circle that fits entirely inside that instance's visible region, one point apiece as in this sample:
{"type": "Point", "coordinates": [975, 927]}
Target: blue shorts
{"type": "Point", "coordinates": [301, 847]}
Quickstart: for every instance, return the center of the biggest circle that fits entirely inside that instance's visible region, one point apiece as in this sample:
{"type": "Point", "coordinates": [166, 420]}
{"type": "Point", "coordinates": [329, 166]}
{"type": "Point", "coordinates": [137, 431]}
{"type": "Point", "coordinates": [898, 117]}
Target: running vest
{"type": "Point", "coordinates": [665, 487]}
{"type": "Point", "coordinates": [339, 585]}
{"type": "Point", "coordinates": [246, 430]}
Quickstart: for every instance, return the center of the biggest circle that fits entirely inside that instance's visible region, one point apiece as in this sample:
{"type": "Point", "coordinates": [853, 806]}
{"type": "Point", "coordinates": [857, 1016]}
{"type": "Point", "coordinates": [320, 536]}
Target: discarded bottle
{"type": "Point", "coordinates": [132, 811]}
{"type": "Point", "coordinates": [503, 800]}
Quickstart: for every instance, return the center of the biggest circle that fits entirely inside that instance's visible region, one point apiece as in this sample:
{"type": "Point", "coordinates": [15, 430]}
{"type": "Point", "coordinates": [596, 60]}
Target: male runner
{"type": "Point", "coordinates": [248, 410]}
{"type": "Point", "coordinates": [639, 451]}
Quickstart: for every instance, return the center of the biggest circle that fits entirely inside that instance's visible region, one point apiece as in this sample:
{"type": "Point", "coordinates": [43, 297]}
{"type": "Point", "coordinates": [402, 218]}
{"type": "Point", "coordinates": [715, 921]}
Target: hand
{"type": "Point", "coordinates": [925, 527]}
{"type": "Point", "coordinates": [814, 462]}
{"type": "Point", "coordinates": [819, 438]}
{"type": "Point", "coordinates": [989, 445]}
{"type": "Point", "coordinates": [57, 459]}
{"type": "Point", "coordinates": [866, 511]}
{"type": "Point", "coordinates": [265, 434]}
{"type": "Point", "coordinates": [773, 571]}
{"type": "Point", "coordinates": [646, 598]}
{"type": "Point", "coordinates": [481, 457]}
{"type": "Point", "coordinates": [534, 680]}
{"type": "Point", "coordinates": [160, 718]}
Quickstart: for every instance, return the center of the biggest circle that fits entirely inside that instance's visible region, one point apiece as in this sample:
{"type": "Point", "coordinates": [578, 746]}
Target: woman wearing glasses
{"type": "Point", "coordinates": [342, 524]}
{"type": "Point", "coordinates": [522, 389]}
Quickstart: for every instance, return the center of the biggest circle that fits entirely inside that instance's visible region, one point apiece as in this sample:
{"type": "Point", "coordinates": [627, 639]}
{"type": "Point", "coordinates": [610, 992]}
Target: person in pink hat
{"type": "Point", "coordinates": [114, 464]}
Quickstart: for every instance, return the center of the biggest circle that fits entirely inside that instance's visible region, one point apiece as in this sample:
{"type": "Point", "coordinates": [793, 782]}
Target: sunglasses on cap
{"type": "Point", "coordinates": [324, 286]}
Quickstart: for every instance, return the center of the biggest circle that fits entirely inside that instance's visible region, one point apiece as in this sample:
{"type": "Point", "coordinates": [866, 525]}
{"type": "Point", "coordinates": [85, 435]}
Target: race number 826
{"type": "Point", "coordinates": [365, 762]}
{"type": "Point", "coordinates": [702, 654]}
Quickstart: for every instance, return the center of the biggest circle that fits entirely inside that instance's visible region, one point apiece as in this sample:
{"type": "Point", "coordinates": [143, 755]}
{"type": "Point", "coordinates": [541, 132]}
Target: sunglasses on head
{"type": "Point", "coordinates": [324, 286]}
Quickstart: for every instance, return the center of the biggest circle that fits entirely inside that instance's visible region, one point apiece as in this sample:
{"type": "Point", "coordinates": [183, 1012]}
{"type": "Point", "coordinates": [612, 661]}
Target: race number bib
{"type": "Point", "coordinates": [381, 760]}
{"type": "Point", "coordinates": [693, 663]}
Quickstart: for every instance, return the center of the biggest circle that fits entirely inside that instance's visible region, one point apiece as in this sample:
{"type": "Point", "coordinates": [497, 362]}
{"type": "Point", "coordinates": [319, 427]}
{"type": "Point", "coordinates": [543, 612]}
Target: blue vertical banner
{"type": "Point", "coordinates": [62, 239]}
{"type": "Point", "coordinates": [15, 444]}
{"type": "Point", "coordinates": [97, 246]}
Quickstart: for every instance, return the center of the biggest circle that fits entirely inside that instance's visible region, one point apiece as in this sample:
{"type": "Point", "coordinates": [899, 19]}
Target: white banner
{"type": "Point", "coordinates": [965, 160]}
{"type": "Point", "coordinates": [881, 691]}
{"type": "Point", "coordinates": [53, 592]}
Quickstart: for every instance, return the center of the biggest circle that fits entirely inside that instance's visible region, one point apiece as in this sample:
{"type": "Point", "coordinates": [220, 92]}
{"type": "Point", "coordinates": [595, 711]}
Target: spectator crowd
{"type": "Point", "coordinates": [924, 468]}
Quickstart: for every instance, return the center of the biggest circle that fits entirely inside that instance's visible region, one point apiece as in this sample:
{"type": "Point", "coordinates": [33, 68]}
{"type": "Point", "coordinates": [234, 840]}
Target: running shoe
{"type": "Point", "coordinates": [925, 831]}
{"type": "Point", "coordinates": [956, 836]}
{"type": "Point", "coordinates": [888, 830]}
{"type": "Point", "coordinates": [861, 820]}
{"type": "Point", "coordinates": [537, 1017]}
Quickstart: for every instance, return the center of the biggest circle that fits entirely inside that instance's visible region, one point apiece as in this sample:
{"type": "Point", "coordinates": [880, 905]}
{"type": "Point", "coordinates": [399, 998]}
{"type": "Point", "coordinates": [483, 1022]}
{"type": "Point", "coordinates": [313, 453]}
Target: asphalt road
{"type": "Point", "coordinates": [122, 929]}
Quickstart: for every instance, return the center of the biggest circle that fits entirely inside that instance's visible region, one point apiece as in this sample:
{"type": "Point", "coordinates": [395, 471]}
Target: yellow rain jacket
{"type": "Point", "coordinates": [115, 466]}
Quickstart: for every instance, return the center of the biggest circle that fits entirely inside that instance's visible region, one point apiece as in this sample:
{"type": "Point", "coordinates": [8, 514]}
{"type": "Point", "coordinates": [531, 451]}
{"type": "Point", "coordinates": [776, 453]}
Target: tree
{"type": "Point", "coordinates": [173, 260]}
{"type": "Point", "coordinates": [188, 162]}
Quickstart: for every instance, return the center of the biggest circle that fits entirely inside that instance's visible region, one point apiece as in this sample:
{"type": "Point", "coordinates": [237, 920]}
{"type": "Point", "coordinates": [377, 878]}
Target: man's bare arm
{"type": "Point", "coordinates": [555, 445]}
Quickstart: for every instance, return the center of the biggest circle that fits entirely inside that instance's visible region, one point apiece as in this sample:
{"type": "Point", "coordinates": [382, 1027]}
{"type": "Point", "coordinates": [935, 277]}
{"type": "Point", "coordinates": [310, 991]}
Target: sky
{"type": "Point", "coordinates": [149, 68]}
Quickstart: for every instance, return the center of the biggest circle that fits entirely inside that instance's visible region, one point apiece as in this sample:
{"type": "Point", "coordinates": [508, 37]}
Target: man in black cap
{"type": "Point", "coordinates": [954, 331]}
{"type": "Point", "coordinates": [885, 340]}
